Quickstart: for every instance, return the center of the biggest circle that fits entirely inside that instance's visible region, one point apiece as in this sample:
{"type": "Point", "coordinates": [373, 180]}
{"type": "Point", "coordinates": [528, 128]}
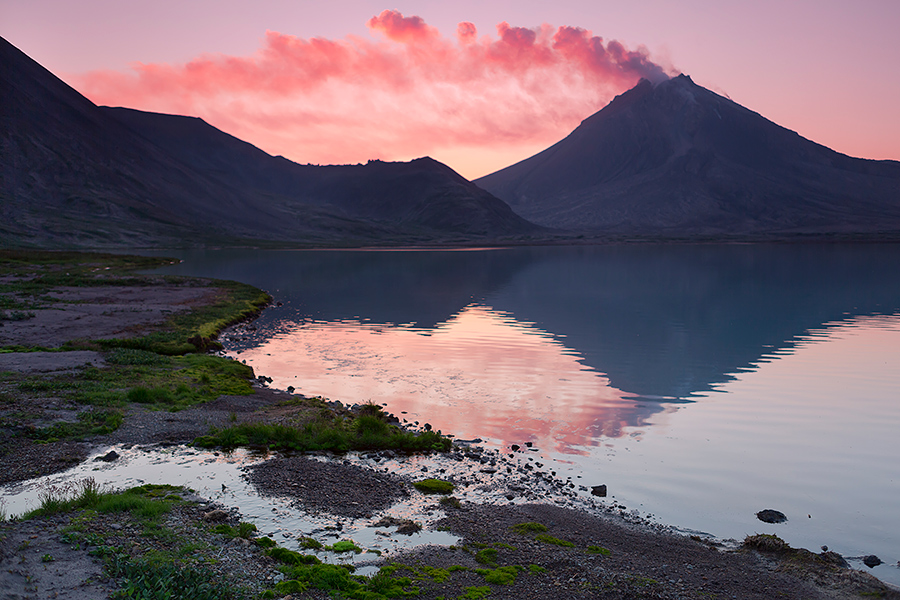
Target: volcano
{"type": "Point", "coordinates": [675, 159]}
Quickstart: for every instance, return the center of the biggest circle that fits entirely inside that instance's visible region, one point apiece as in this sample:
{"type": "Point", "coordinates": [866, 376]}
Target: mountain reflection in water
{"type": "Point", "coordinates": [558, 345]}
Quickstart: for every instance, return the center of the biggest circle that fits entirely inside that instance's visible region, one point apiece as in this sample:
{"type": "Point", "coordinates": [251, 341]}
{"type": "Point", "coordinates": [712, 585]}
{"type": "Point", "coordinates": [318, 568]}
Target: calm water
{"type": "Point", "coordinates": [700, 383]}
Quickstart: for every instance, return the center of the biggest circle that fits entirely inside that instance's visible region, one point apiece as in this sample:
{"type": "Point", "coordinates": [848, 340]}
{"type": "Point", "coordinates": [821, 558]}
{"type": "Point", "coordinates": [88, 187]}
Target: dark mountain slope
{"type": "Point", "coordinates": [70, 175]}
{"type": "Point", "coordinates": [73, 174]}
{"type": "Point", "coordinates": [422, 194]}
{"type": "Point", "coordinates": [679, 159]}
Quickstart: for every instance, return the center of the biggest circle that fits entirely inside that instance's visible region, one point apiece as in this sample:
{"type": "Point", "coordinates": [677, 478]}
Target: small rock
{"type": "Point", "coordinates": [215, 515]}
{"type": "Point", "coordinates": [515, 447]}
{"type": "Point", "coordinates": [599, 490]}
{"type": "Point", "coordinates": [871, 561]}
{"type": "Point", "coordinates": [771, 516]}
{"type": "Point", "coordinates": [409, 528]}
{"type": "Point", "coordinates": [109, 456]}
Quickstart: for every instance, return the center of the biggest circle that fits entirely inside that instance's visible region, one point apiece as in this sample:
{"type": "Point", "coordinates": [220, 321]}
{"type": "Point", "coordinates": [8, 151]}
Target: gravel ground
{"type": "Point", "coordinates": [332, 487]}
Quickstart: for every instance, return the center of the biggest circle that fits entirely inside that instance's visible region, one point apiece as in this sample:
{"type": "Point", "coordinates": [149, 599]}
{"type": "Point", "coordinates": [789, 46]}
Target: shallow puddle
{"type": "Point", "coordinates": [483, 477]}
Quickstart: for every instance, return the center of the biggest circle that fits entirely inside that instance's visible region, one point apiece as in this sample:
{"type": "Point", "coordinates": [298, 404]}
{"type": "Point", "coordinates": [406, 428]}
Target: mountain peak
{"type": "Point", "coordinates": [677, 158]}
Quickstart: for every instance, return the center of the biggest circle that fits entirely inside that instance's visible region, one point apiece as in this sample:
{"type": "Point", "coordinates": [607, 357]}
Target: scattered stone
{"type": "Point", "coordinates": [404, 526]}
{"type": "Point", "coordinates": [771, 516]}
{"type": "Point", "coordinates": [215, 516]}
{"type": "Point", "coordinates": [871, 561]}
{"type": "Point", "coordinates": [108, 457]}
{"type": "Point", "coordinates": [599, 490]}
{"type": "Point", "coordinates": [515, 447]}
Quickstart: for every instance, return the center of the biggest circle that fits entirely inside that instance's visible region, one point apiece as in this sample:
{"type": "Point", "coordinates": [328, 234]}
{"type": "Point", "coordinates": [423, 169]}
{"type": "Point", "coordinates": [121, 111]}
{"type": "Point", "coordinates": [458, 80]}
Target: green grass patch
{"type": "Point", "coordinates": [325, 432]}
{"type": "Point", "coordinates": [488, 556]}
{"type": "Point", "coordinates": [599, 550]}
{"type": "Point", "coordinates": [474, 592]}
{"type": "Point", "coordinates": [167, 383]}
{"type": "Point", "coordinates": [289, 557]}
{"type": "Point", "coordinates": [434, 486]}
{"type": "Point", "coordinates": [344, 546]}
{"type": "Point", "coordinates": [309, 543]}
{"type": "Point", "coordinates": [536, 569]}
{"type": "Point", "coordinates": [549, 539]}
{"type": "Point", "coordinates": [529, 527]}
{"type": "Point", "coordinates": [500, 575]}
{"type": "Point", "coordinates": [162, 580]}
{"type": "Point", "coordinates": [148, 502]}
{"type": "Point", "coordinates": [90, 422]}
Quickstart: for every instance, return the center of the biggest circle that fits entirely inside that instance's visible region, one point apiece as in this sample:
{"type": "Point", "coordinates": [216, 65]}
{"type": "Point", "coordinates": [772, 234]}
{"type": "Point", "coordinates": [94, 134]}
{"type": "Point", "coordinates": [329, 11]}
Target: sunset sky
{"type": "Point", "coordinates": [477, 85]}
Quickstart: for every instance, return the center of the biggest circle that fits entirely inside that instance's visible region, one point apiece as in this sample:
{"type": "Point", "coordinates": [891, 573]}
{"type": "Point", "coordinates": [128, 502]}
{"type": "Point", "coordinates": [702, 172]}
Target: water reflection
{"type": "Point", "coordinates": [660, 322]}
{"type": "Point", "coordinates": [480, 373]}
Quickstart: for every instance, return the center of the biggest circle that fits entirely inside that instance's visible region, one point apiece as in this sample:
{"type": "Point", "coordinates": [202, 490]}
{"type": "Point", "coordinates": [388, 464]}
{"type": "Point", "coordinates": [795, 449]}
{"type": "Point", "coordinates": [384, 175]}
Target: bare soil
{"type": "Point", "coordinates": [101, 312]}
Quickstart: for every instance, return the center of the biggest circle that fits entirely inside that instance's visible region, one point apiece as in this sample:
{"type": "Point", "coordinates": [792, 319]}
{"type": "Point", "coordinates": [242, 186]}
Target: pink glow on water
{"type": "Point", "coordinates": [479, 374]}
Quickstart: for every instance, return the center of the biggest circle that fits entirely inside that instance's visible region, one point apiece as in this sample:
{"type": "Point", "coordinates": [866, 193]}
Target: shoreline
{"type": "Point", "coordinates": [642, 563]}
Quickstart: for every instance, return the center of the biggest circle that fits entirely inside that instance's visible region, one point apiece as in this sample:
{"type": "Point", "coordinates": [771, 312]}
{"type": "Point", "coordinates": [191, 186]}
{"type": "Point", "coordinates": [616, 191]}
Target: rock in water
{"type": "Point", "coordinates": [771, 516]}
{"type": "Point", "coordinates": [109, 456]}
{"type": "Point", "coordinates": [599, 490]}
{"type": "Point", "coordinates": [871, 561]}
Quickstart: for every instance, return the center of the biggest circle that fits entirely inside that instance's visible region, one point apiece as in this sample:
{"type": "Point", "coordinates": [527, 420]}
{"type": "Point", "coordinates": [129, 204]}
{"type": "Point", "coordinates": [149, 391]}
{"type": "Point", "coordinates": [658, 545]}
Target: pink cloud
{"type": "Point", "coordinates": [409, 92]}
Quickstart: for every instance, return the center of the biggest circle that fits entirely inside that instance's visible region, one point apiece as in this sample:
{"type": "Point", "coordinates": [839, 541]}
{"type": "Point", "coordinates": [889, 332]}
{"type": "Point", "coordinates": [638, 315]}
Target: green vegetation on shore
{"type": "Point", "coordinates": [163, 366]}
{"type": "Point", "coordinates": [32, 276]}
{"type": "Point", "coordinates": [158, 575]}
{"type": "Point", "coordinates": [327, 430]}
{"type": "Point", "coordinates": [434, 486]}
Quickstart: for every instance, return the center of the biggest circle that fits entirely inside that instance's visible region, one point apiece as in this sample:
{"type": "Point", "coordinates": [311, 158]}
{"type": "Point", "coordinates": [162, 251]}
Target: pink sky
{"type": "Point", "coordinates": [476, 85]}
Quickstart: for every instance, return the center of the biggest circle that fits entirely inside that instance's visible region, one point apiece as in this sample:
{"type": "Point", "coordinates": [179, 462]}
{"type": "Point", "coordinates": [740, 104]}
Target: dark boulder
{"type": "Point", "coordinates": [771, 516]}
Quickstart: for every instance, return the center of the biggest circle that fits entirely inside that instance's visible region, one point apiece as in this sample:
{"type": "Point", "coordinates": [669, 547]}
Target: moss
{"type": "Point", "coordinates": [599, 550]}
{"type": "Point", "coordinates": [500, 575]}
{"type": "Point", "coordinates": [289, 557]}
{"type": "Point", "coordinates": [476, 592]}
{"type": "Point", "coordinates": [488, 556]}
{"type": "Point", "coordinates": [308, 543]}
{"type": "Point", "coordinates": [451, 501]}
{"type": "Point", "coordinates": [549, 539]}
{"type": "Point", "coordinates": [90, 422]}
{"type": "Point", "coordinates": [434, 486]}
{"type": "Point", "coordinates": [529, 527]}
{"type": "Point", "coordinates": [344, 546]}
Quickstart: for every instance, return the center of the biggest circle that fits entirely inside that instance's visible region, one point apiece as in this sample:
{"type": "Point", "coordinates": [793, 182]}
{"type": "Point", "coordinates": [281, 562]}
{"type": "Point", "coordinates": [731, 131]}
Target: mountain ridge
{"type": "Point", "coordinates": [676, 158]}
{"type": "Point", "coordinates": [76, 175]}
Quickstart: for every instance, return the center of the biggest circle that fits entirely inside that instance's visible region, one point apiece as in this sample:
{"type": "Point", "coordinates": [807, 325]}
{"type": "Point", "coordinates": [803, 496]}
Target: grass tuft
{"type": "Point", "coordinates": [434, 486]}
{"type": "Point", "coordinates": [529, 527]}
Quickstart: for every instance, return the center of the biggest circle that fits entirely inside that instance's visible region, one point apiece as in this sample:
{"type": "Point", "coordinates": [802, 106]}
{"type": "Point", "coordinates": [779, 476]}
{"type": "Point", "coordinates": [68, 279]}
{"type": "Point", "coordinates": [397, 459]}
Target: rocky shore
{"type": "Point", "coordinates": [507, 548]}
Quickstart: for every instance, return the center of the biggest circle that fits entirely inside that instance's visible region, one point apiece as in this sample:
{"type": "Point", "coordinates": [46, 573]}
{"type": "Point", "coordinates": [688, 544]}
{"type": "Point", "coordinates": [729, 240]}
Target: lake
{"type": "Point", "coordinates": [700, 383]}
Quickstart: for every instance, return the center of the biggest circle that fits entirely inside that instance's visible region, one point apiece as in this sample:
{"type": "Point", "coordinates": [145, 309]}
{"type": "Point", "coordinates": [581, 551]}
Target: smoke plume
{"type": "Point", "coordinates": [410, 91]}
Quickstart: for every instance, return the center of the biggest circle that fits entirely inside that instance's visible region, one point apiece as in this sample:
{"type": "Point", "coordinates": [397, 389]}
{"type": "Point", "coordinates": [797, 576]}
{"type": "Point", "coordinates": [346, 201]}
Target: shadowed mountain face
{"type": "Point", "coordinates": [678, 159]}
{"type": "Point", "coordinates": [74, 174]}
